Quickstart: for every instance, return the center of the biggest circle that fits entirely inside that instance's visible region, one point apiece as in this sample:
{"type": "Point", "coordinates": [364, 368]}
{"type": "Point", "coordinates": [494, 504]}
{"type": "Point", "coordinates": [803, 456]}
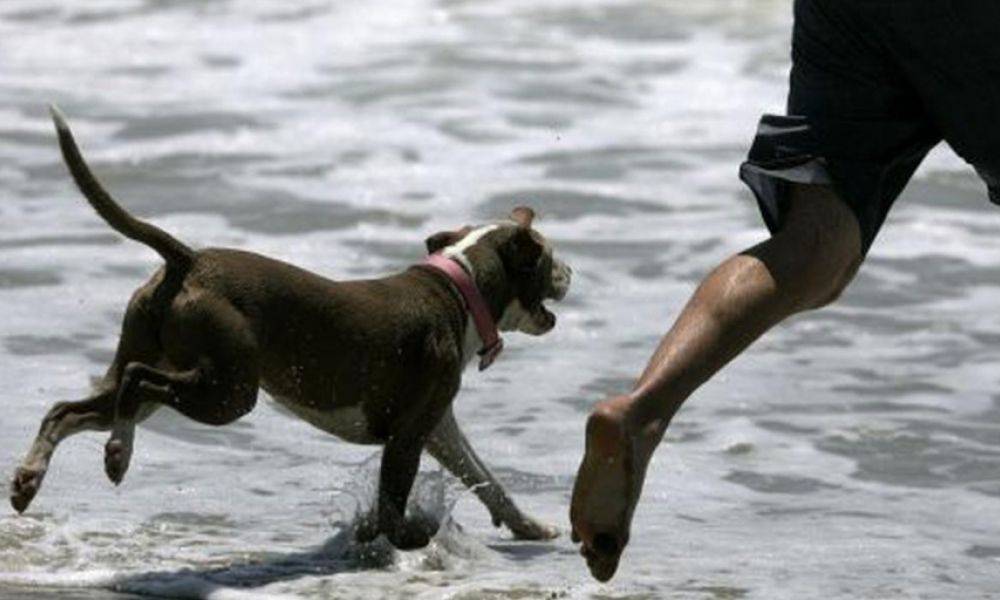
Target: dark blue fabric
{"type": "Point", "coordinates": [875, 84]}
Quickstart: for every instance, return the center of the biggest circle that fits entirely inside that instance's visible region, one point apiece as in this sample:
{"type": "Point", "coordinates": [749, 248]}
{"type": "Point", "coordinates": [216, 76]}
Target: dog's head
{"type": "Point", "coordinates": [511, 259]}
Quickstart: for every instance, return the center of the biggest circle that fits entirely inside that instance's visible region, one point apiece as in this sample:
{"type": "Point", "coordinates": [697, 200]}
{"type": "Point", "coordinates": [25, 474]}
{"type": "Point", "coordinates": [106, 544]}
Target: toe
{"type": "Point", "coordinates": [603, 554]}
{"type": "Point", "coordinates": [605, 491]}
{"type": "Point", "coordinates": [603, 568]}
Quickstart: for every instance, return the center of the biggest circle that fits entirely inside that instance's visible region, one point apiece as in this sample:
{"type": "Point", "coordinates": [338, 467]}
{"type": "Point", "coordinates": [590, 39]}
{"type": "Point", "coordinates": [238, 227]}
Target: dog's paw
{"type": "Point", "coordinates": [366, 529]}
{"type": "Point", "coordinates": [415, 533]}
{"type": "Point", "coordinates": [526, 528]}
{"type": "Point", "coordinates": [117, 455]}
{"type": "Point", "coordinates": [24, 486]}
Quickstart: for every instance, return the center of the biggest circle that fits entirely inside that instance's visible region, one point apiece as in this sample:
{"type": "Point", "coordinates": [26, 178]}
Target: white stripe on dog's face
{"type": "Point", "coordinates": [457, 250]}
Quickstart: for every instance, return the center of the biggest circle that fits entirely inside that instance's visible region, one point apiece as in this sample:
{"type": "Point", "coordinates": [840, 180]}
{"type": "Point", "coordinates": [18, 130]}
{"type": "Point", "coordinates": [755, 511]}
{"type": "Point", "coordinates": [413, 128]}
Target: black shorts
{"type": "Point", "coordinates": [875, 84]}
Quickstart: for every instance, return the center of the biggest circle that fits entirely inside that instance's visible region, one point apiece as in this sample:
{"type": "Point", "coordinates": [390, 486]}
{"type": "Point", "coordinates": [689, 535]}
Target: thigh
{"type": "Point", "coordinates": [860, 105]}
{"type": "Point", "coordinates": [949, 50]}
{"type": "Point", "coordinates": [854, 120]}
{"type": "Point", "coordinates": [840, 68]}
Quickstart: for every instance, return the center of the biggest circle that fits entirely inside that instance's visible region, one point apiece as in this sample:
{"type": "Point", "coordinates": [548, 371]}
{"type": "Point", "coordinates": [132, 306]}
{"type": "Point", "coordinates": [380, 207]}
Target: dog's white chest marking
{"type": "Point", "coordinates": [472, 342]}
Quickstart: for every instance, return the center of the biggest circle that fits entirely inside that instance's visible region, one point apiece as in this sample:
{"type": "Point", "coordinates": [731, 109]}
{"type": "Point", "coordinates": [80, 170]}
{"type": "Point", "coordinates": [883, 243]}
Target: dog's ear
{"type": "Point", "coordinates": [443, 239]}
{"type": "Point", "coordinates": [523, 216]}
{"type": "Point", "coordinates": [440, 240]}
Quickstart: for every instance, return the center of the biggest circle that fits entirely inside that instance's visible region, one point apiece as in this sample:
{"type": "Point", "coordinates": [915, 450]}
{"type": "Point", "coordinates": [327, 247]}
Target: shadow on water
{"type": "Point", "coordinates": [433, 498]}
{"type": "Point", "coordinates": [526, 551]}
{"type": "Point", "coordinates": [338, 554]}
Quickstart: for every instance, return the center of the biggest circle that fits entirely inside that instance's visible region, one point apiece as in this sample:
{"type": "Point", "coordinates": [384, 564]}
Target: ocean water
{"type": "Point", "coordinates": [852, 453]}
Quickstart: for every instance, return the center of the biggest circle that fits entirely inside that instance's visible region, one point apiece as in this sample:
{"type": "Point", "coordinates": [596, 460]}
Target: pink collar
{"type": "Point", "coordinates": [485, 326]}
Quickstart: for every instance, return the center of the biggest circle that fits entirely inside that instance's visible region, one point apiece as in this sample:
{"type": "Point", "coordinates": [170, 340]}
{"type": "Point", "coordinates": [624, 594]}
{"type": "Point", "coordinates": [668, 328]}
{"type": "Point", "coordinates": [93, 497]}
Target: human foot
{"type": "Point", "coordinates": [607, 486]}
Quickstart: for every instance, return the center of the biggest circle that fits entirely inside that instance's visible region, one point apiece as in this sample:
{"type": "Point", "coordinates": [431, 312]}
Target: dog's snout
{"type": "Point", "coordinates": [561, 270]}
{"type": "Point", "coordinates": [562, 275]}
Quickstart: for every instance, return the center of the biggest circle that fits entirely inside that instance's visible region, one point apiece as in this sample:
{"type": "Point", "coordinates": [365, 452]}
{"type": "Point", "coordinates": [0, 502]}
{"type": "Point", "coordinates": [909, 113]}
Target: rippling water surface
{"type": "Point", "coordinates": [853, 453]}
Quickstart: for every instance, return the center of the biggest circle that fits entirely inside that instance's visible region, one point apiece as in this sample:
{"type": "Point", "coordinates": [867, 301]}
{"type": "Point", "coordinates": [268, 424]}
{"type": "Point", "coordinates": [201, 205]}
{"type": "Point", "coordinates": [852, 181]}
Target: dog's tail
{"type": "Point", "coordinates": [177, 255]}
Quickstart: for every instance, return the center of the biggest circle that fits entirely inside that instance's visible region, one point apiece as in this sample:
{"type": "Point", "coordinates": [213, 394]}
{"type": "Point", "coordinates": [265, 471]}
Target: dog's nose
{"type": "Point", "coordinates": [563, 269]}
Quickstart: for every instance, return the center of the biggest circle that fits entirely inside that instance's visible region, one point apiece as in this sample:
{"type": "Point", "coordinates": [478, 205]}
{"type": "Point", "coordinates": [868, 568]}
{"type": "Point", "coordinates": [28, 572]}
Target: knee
{"type": "Point", "coordinates": [838, 274]}
{"type": "Point", "coordinates": [132, 375]}
{"type": "Point", "coordinates": [819, 248]}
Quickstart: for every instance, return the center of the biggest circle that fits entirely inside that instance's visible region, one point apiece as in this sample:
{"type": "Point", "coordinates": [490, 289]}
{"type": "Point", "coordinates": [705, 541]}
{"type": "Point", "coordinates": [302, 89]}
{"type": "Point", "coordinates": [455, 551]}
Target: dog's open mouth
{"type": "Point", "coordinates": [546, 318]}
{"type": "Point", "coordinates": [542, 319]}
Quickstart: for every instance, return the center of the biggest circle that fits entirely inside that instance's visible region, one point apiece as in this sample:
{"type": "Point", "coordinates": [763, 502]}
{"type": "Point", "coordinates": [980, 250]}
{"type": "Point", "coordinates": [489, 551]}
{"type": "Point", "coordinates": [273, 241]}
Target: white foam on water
{"type": "Point", "coordinates": [193, 588]}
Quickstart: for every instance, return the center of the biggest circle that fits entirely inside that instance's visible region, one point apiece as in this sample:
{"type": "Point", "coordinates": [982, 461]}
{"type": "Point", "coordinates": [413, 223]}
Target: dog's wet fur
{"type": "Point", "coordinates": [372, 361]}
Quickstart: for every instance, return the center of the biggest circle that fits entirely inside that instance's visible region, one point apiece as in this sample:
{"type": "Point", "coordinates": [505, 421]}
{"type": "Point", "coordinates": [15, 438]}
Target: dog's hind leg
{"type": "Point", "coordinates": [450, 448]}
{"type": "Point", "coordinates": [200, 394]}
{"type": "Point", "coordinates": [94, 413]}
{"type": "Point", "coordinates": [219, 388]}
{"type": "Point", "coordinates": [63, 420]}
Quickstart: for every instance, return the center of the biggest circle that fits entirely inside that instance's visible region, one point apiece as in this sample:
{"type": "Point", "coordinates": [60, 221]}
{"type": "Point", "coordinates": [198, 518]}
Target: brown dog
{"type": "Point", "coordinates": [372, 362]}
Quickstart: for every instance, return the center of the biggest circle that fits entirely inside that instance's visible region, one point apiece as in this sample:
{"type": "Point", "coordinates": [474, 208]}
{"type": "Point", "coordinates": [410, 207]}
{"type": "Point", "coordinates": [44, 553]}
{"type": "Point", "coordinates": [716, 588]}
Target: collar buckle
{"type": "Point", "coordinates": [489, 354]}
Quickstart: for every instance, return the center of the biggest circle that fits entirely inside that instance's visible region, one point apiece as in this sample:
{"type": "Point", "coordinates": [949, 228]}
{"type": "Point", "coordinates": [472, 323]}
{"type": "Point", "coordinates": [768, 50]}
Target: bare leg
{"type": "Point", "coordinates": [450, 447]}
{"type": "Point", "coordinates": [806, 265]}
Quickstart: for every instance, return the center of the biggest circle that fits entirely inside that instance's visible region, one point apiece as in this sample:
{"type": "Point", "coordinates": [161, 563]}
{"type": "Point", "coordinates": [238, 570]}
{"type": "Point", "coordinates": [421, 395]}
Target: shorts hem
{"type": "Point", "coordinates": [770, 184]}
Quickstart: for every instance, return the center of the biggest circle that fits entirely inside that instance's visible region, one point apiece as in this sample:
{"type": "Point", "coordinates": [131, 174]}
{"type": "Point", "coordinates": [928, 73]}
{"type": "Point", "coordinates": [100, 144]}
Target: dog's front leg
{"type": "Point", "coordinates": [450, 447]}
{"type": "Point", "coordinates": [408, 433]}
{"type": "Point", "coordinates": [400, 463]}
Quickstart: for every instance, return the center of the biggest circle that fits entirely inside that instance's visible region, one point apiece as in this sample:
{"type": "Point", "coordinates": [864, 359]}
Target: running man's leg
{"type": "Point", "coordinates": [805, 265]}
